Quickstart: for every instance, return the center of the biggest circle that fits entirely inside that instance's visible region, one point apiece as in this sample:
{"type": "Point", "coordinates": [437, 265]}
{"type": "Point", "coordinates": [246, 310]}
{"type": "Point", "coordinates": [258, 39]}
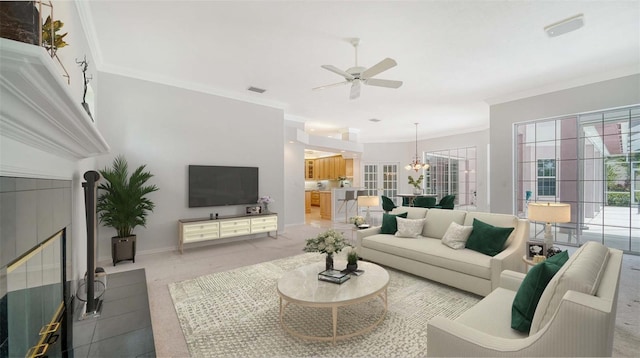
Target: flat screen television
{"type": "Point", "coordinates": [221, 185]}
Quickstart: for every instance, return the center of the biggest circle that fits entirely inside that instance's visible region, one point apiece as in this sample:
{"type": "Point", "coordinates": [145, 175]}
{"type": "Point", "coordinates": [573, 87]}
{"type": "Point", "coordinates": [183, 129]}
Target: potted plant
{"type": "Point", "coordinates": [417, 188]}
{"type": "Point", "coordinates": [352, 260]}
{"type": "Point", "coordinates": [123, 205]}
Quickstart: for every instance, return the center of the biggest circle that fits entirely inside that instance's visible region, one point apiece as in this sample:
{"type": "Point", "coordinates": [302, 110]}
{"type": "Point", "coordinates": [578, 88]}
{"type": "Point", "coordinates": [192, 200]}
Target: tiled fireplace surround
{"type": "Point", "coordinates": [31, 211]}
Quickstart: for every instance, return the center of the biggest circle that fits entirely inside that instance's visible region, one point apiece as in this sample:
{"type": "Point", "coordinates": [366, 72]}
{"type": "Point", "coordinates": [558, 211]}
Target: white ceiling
{"type": "Point", "coordinates": [455, 57]}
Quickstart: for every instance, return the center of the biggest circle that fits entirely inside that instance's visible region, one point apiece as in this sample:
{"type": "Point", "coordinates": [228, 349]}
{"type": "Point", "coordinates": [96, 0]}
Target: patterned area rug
{"type": "Point", "coordinates": [235, 313]}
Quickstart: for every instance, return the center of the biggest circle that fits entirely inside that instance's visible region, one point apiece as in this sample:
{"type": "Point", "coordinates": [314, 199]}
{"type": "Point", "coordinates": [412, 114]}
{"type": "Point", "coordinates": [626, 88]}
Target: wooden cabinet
{"type": "Point", "coordinates": [307, 202]}
{"type": "Point", "coordinates": [325, 205]}
{"type": "Point", "coordinates": [195, 230]}
{"type": "Point", "coordinates": [315, 198]}
{"type": "Point", "coordinates": [309, 169]}
{"type": "Point", "coordinates": [348, 168]}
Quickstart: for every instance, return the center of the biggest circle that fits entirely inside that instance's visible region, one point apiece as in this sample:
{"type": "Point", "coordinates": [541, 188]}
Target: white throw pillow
{"type": "Point", "coordinates": [456, 236]}
{"type": "Point", "coordinates": [409, 227]}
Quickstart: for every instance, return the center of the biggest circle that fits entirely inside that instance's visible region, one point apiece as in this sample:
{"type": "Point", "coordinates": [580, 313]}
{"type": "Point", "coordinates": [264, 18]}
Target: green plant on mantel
{"type": "Point", "coordinates": [123, 204]}
{"type": "Point", "coordinates": [52, 45]}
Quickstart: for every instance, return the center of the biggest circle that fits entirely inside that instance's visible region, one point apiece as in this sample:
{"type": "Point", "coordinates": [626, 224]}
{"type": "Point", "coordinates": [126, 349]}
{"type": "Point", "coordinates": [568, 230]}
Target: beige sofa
{"type": "Point", "coordinates": [427, 257]}
{"type": "Point", "coordinates": [575, 315]}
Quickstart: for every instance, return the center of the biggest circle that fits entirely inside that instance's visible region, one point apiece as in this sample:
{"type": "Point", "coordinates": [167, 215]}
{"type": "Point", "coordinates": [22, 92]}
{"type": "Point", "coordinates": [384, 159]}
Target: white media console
{"type": "Point", "coordinates": [205, 229]}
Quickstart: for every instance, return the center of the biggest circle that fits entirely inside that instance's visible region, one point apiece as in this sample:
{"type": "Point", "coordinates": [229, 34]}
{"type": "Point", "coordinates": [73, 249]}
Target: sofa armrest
{"type": "Point", "coordinates": [511, 280]}
{"type": "Point", "coordinates": [361, 234]}
{"type": "Point", "coordinates": [511, 257]}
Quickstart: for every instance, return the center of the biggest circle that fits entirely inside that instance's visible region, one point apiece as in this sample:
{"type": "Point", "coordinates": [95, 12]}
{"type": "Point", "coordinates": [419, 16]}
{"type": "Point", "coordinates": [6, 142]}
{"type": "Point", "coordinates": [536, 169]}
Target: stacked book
{"type": "Point", "coordinates": [334, 276]}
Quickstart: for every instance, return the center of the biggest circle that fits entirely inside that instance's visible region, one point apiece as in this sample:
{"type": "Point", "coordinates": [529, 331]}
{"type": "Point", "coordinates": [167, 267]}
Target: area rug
{"type": "Point", "coordinates": [236, 313]}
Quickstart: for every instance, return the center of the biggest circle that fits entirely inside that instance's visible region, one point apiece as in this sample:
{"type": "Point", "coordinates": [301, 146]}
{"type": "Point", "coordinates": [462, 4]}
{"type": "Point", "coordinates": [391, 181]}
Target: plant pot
{"type": "Point", "coordinates": [123, 248]}
{"type": "Point", "coordinates": [352, 267]}
{"type": "Point", "coordinates": [417, 191]}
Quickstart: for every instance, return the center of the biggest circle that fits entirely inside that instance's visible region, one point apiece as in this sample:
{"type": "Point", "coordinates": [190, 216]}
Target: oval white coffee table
{"type": "Point", "coordinates": [302, 287]}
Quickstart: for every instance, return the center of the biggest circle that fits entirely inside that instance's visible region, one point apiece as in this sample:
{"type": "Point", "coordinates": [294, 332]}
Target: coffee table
{"type": "Point", "coordinates": [302, 287]}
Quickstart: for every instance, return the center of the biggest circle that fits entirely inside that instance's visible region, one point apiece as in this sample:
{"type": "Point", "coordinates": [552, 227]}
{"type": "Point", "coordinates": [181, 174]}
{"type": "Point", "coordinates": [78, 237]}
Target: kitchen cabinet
{"type": "Point", "coordinates": [315, 198]}
{"type": "Point", "coordinates": [309, 169]}
{"type": "Point", "coordinates": [348, 168]}
{"type": "Point", "coordinates": [325, 205]}
{"type": "Point", "coordinates": [307, 202]}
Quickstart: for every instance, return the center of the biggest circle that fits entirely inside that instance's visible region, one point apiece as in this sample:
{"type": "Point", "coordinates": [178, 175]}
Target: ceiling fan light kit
{"type": "Point", "coordinates": [358, 75]}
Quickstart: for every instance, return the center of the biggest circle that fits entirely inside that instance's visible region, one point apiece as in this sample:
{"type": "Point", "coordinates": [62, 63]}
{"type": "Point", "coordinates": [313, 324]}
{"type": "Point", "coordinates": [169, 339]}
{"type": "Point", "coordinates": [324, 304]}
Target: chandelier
{"type": "Point", "coordinates": [416, 164]}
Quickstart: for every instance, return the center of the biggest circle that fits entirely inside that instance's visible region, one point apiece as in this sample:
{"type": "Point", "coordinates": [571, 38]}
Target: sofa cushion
{"type": "Point", "coordinates": [490, 316]}
{"type": "Point", "coordinates": [412, 212]}
{"type": "Point", "coordinates": [409, 227]}
{"type": "Point", "coordinates": [502, 220]}
{"type": "Point", "coordinates": [438, 221]}
{"type": "Point", "coordinates": [531, 288]}
{"type": "Point", "coordinates": [581, 273]}
{"type": "Point", "coordinates": [456, 236]}
{"type": "Point", "coordinates": [487, 239]}
{"type": "Point", "coordinates": [432, 252]}
{"type": "Point", "coordinates": [389, 223]}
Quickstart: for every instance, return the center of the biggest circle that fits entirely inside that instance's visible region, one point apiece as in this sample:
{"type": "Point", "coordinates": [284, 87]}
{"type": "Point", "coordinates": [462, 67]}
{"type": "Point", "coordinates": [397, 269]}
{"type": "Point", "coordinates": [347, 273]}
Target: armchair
{"type": "Point", "coordinates": [447, 202]}
{"type": "Point", "coordinates": [569, 320]}
{"type": "Point", "coordinates": [387, 204]}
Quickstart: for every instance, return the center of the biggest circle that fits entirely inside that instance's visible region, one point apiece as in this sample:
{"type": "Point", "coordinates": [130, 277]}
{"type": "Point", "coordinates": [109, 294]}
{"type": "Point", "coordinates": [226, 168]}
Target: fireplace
{"type": "Point", "coordinates": [36, 290]}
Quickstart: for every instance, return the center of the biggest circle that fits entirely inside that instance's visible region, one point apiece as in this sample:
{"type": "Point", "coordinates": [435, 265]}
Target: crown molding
{"type": "Point", "coordinates": [38, 108]}
{"type": "Point", "coordinates": [86, 20]}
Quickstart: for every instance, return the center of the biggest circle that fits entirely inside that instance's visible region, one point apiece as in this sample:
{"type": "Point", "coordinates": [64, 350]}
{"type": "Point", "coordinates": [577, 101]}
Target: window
{"type": "Point", "coordinates": [452, 171]}
{"type": "Point", "coordinates": [546, 177]}
{"type": "Point", "coordinates": [590, 161]}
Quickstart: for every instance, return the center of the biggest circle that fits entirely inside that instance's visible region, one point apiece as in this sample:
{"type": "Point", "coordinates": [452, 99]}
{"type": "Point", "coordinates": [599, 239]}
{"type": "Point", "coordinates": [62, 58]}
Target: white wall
{"type": "Point", "coordinates": [403, 153]}
{"type": "Point", "coordinates": [293, 175]}
{"type": "Point", "coordinates": [618, 92]}
{"type": "Point", "coordinates": [167, 128]}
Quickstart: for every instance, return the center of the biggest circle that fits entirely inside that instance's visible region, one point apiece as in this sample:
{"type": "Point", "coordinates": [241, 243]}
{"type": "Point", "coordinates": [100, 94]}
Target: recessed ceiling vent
{"type": "Point", "coordinates": [567, 25]}
{"type": "Point", "coordinates": [256, 89]}
{"type": "Point", "coordinates": [374, 120]}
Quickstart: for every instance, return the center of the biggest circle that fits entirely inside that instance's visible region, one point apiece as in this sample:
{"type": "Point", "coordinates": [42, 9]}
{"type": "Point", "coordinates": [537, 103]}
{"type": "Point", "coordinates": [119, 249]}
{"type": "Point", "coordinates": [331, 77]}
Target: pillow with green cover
{"type": "Point", "coordinates": [531, 289]}
{"type": "Point", "coordinates": [390, 224]}
{"type": "Point", "coordinates": [487, 239]}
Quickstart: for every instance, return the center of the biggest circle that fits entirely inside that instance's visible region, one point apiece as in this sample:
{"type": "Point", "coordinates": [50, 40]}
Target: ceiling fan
{"type": "Point", "coordinates": [358, 75]}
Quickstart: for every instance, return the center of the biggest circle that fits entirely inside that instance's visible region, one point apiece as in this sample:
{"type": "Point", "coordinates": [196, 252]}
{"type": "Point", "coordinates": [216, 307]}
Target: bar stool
{"type": "Point", "coordinates": [348, 196]}
{"type": "Point", "coordinates": [359, 193]}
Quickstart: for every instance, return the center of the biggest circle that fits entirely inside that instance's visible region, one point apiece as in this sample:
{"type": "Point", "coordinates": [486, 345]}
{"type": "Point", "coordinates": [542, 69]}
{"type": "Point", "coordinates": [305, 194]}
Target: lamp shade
{"type": "Point", "coordinates": [368, 201]}
{"type": "Point", "coordinates": [550, 212]}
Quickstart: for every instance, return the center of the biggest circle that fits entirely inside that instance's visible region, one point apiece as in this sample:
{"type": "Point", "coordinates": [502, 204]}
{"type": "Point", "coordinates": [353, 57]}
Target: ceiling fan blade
{"type": "Point", "coordinates": [381, 66]}
{"type": "Point", "coordinates": [335, 69]}
{"type": "Point", "coordinates": [383, 83]}
{"type": "Point", "coordinates": [355, 90]}
{"type": "Point", "coordinates": [331, 85]}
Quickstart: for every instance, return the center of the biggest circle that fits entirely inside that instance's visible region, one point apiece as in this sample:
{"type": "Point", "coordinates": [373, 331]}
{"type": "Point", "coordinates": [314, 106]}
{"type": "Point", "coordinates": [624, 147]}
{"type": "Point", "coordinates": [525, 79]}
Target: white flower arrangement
{"type": "Point", "coordinates": [328, 242]}
{"type": "Point", "coordinates": [357, 220]}
{"type": "Point", "coordinates": [265, 200]}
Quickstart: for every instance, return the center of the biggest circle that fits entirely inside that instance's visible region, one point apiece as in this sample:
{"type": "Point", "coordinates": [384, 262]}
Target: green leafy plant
{"type": "Point", "coordinates": [416, 183]}
{"type": "Point", "coordinates": [352, 257]}
{"type": "Point", "coordinates": [58, 40]}
{"type": "Point", "coordinates": [123, 204]}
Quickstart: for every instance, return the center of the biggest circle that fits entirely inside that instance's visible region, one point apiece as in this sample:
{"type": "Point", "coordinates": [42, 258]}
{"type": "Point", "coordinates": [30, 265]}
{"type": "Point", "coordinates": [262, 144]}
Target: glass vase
{"type": "Point", "coordinates": [329, 262]}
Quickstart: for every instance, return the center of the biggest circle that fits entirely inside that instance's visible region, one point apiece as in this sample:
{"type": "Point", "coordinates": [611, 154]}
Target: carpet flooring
{"type": "Point", "coordinates": [236, 313]}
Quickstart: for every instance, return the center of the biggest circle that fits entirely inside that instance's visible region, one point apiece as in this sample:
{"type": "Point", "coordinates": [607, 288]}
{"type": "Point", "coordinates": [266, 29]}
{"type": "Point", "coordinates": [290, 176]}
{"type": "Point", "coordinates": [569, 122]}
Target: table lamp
{"type": "Point", "coordinates": [368, 201]}
{"type": "Point", "coordinates": [549, 213]}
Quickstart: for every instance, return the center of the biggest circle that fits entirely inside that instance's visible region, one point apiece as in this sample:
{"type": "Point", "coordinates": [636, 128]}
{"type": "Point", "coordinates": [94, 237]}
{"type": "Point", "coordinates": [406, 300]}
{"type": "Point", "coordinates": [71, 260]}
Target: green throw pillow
{"type": "Point", "coordinates": [531, 289]}
{"type": "Point", "coordinates": [390, 224]}
{"type": "Point", "coordinates": [487, 239]}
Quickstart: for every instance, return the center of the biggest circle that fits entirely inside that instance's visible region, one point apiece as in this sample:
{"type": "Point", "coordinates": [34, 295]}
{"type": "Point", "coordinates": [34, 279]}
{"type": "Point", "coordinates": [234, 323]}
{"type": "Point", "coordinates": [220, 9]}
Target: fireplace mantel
{"type": "Point", "coordinates": [37, 107]}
